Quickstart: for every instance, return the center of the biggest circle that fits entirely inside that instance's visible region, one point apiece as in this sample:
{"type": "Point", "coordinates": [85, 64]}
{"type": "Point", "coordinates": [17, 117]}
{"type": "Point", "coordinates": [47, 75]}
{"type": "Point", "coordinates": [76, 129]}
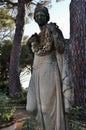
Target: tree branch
{"type": "Point", "coordinates": [16, 3]}
{"type": "Point", "coordinates": [9, 2]}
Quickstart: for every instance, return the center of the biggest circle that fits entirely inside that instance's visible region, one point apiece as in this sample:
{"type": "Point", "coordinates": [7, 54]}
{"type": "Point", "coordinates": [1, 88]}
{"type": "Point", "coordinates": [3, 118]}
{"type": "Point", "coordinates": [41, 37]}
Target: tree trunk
{"type": "Point", "coordinates": [78, 50]}
{"type": "Point", "coordinates": [14, 80]}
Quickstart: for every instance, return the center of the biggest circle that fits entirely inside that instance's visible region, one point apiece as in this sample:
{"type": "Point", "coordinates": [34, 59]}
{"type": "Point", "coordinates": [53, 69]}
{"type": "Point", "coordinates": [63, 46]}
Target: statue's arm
{"type": "Point", "coordinates": [58, 41]}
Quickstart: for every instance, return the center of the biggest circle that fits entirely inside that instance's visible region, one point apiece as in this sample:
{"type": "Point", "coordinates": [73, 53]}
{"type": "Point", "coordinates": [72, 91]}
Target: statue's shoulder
{"type": "Point", "coordinates": [52, 24]}
{"type": "Point", "coordinates": [54, 28]}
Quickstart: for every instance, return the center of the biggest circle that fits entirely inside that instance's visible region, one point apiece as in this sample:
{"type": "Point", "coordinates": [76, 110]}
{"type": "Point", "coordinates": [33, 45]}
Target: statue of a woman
{"type": "Point", "coordinates": [48, 48]}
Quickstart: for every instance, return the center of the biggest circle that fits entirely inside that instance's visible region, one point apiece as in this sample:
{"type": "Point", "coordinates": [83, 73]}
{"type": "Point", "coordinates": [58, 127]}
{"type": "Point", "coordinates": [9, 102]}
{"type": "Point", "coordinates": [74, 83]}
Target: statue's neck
{"type": "Point", "coordinates": [43, 27]}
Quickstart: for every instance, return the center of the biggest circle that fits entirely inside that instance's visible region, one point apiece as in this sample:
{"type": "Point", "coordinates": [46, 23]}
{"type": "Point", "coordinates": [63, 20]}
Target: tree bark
{"type": "Point", "coordinates": [78, 50]}
{"type": "Point", "coordinates": [14, 80]}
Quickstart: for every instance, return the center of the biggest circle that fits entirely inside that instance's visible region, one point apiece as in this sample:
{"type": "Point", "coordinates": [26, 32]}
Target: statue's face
{"type": "Point", "coordinates": [41, 18]}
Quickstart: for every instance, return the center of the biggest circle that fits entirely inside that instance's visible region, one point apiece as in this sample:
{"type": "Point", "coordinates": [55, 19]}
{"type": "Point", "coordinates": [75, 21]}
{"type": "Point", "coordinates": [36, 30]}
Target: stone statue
{"type": "Point", "coordinates": [46, 79]}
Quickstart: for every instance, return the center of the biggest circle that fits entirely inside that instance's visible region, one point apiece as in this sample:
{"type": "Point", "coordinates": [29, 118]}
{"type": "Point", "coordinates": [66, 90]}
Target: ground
{"type": "Point", "coordinates": [21, 115]}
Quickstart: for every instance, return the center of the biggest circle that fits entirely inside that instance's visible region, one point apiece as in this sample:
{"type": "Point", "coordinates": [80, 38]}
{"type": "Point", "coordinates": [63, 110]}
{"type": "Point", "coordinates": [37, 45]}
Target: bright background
{"type": "Point", "coordinates": [59, 13]}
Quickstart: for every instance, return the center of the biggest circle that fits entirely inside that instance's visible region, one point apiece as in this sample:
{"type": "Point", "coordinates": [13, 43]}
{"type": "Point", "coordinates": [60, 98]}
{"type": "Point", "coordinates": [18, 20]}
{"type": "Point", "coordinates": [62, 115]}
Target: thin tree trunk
{"type": "Point", "coordinates": [78, 50]}
{"type": "Point", "coordinates": [14, 80]}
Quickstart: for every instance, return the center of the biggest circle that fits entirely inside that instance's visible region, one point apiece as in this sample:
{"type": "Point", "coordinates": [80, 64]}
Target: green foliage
{"type": "Point", "coordinates": [29, 125]}
{"type": "Point", "coordinates": [75, 126]}
{"type": "Point", "coordinates": [5, 50]}
{"type": "Point", "coordinates": [6, 19]}
{"type": "Point", "coordinates": [75, 113]}
{"type": "Point", "coordinates": [6, 25]}
{"type": "Point", "coordinates": [26, 58]}
{"type": "Point", "coordinates": [74, 117]}
{"type": "Point", "coordinates": [4, 87]}
{"type": "Point", "coordinates": [6, 109]}
{"type": "Point", "coordinates": [21, 99]}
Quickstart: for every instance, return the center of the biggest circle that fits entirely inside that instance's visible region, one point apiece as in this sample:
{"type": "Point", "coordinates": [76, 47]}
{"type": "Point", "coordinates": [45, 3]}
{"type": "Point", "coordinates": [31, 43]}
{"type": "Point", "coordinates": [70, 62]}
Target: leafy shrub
{"type": "Point", "coordinates": [74, 117]}
{"type": "Point", "coordinates": [4, 87]}
{"type": "Point", "coordinates": [28, 125]}
{"type": "Point", "coordinates": [6, 109]}
{"type": "Point", "coordinates": [21, 99]}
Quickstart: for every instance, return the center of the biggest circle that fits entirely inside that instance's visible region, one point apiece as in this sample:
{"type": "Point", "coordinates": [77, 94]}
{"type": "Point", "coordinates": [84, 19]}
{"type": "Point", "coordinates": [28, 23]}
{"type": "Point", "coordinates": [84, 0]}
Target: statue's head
{"type": "Point", "coordinates": [41, 15]}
